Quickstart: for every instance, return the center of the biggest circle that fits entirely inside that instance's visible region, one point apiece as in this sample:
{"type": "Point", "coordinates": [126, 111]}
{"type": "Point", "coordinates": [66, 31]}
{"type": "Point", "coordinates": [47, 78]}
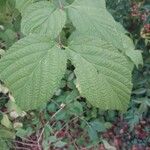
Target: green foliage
{"type": "Point", "coordinates": [9, 36]}
{"type": "Point", "coordinates": [6, 122]}
{"type": "Point", "coordinates": [23, 4]}
{"type": "Point", "coordinates": [93, 128]}
{"type": "Point", "coordinates": [135, 56]}
{"type": "Point", "coordinates": [43, 18]}
{"type": "Point", "coordinates": [106, 70]}
{"type": "Point", "coordinates": [7, 10]}
{"type": "Point", "coordinates": [90, 17]}
{"type": "Point", "coordinates": [97, 61]}
{"type": "Point", "coordinates": [34, 66]}
{"type": "Point", "coordinates": [3, 145]}
{"type": "Point", "coordinates": [6, 134]}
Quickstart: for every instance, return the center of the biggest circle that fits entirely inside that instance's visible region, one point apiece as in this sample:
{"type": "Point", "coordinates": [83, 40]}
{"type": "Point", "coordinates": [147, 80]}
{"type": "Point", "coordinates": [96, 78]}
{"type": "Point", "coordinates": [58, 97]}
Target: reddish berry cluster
{"type": "Point", "coordinates": [135, 12]}
{"type": "Point", "coordinates": [147, 28]}
{"type": "Point", "coordinates": [120, 135]}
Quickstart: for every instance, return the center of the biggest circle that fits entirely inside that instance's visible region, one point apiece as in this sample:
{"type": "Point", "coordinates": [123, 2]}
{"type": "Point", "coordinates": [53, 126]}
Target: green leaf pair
{"type": "Point", "coordinates": [34, 66]}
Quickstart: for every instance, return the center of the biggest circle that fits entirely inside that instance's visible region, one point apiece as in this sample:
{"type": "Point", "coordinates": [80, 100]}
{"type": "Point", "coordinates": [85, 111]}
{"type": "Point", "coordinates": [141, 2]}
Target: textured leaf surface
{"type": "Point", "coordinates": [6, 134]}
{"type": "Point", "coordinates": [3, 145]}
{"type": "Point", "coordinates": [32, 69]}
{"type": "Point", "coordinates": [91, 17]}
{"type": "Point", "coordinates": [6, 122]}
{"type": "Point", "coordinates": [43, 18]}
{"type": "Point", "coordinates": [21, 5]}
{"type": "Point", "coordinates": [7, 10]}
{"type": "Point", "coordinates": [103, 74]}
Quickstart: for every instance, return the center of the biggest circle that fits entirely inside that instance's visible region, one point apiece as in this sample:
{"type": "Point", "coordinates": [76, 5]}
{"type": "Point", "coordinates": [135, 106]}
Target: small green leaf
{"type": "Point", "coordinates": [76, 108]}
{"type": "Point", "coordinates": [139, 91]}
{"type": "Point", "coordinates": [47, 131]}
{"type": "Point", "coordinates": [143, 108]}
{"type": "Point", "coordinates": [2, 52]}
{"type": "Point", "coordinates": [53, 139]}
{"type": "Point", "coordinates": [98, 126]}
{"type": "Point", "coordinates": [71, 96]}
{"type": "Point", "coordinates": [61, 116]}
{"type": "Point", "coordinates": [51, 107]}
{"type": "Point", "coordinates": [135, 56]}
{"type": "Point", "coordinates": [108, 146]}
{"type": "Point", "coordinates": [6, 122]}
{"type": "Point", "coordinates": [24, 132]}
{"type": "Point", "coordinates": [9, 36]}
{"type": "Point", "coordinates": [92, 134]}
{"type": "Point", "coordinates": [60, 144]}
{"type": "Point", "coordinates": [11, 106]}
{"type": "Point", "coordinates": [6, 134]}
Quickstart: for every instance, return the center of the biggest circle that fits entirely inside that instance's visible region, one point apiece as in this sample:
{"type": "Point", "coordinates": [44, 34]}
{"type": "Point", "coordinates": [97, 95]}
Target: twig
{"type": "Point", "coordinates": [21, 148]}
{"type": "Point", "coordinates": [29, 140]}
{"type": "Point", "coordinates": [65, 125]}
{"type": "Point", "coordinates": [74, 143]}
{"type": "Point", "coordinates": [23, 143]}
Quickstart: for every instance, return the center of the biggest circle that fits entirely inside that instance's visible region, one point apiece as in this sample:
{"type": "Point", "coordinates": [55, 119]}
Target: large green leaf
{"type": "Point", "coordinates": [103, 73]}
{"type": "Point", "coordinates": [91, 17]}
{"type": "Point", "coordinates": [43, 18]}
{"type": "Point", "coordinates": [32, 69]}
